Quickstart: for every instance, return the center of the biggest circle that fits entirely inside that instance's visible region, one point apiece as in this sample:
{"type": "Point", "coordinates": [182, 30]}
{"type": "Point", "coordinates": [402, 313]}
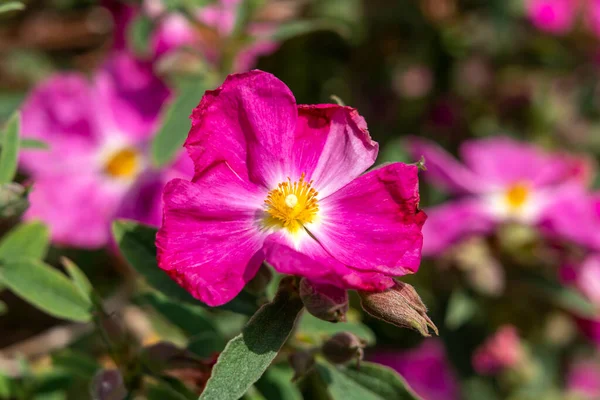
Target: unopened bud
{"type": "Point", "coordinates": [343, 347]}
{"type": "Point", "coordinates": [401, 306]}
{"type": "Point", "coordinates": [326, 302]}
{"type": "Point", "coordinates": [302, 363]}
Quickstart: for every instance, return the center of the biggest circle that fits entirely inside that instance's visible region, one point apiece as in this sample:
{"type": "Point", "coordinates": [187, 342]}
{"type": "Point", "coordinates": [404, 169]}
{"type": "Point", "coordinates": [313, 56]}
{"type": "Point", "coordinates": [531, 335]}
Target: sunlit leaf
{"type": "Point", "coordinates": [28, 240]}
{"type": "Point", "coordinates": [9, 152]}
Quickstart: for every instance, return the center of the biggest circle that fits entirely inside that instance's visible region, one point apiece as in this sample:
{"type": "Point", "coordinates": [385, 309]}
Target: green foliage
{"type": "Point", "coordinates": [277, 383]}
{"type": "Point", "coordinates": [28, 240]}
{"type": "Point", "coordinates": [249, 354]}
{"type": "Point", "coordinates": [461, 308]}
{"type": "Point", "coordinates": [46, 288]}
{"type": "Point", "coordinates": [139, 33]}
{"type": "Point", "coordinates": [79, 279]}
{"type": "Point", "coordinates": [9, 153]}
{"type": "Point", "coordinates": [370, 382]}
{"type": "Point", "coordinates": [319, 330]}
{"type": "Point", "coordinates": [175, 121]}
{"type": "Point", "coordinates": [11, 6]}
{"type": "Point", "coordinates": [34, 144]}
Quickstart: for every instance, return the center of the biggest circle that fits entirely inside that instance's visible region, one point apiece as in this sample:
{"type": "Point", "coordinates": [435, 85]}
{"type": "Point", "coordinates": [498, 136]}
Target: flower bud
{"type": "Point", "coordinates": [401, 306]}
{"type": "Point", "coordinates": [302, 362]}
{"type": "Point", "coordinates": [343, 347]}
{"type": "Point", "coordinates": [501, 351]}
{"type": "Point", "coordinates": [326, 302]}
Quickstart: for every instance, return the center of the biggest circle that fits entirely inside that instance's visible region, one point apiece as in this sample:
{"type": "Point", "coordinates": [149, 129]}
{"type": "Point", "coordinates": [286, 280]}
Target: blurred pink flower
{"type": "Point", "coordinates": [553, 16]}
{"type": "Point", "coordinates": [500, 351]}
{"type": "Point", "coordinates": [583, 379]}
{"type": "Point", "coordinates": [501, 180]}
{"type": "Point", "coordinates": [592, 16]}
{"type": "Point", "coordinates": [98, 165]}
{"type": "Point", "coordinates": [215, 23]}
{"type": "Point", "coordinates": [425, 368]}
{"type": "Point", "coordinates": [284, 182]}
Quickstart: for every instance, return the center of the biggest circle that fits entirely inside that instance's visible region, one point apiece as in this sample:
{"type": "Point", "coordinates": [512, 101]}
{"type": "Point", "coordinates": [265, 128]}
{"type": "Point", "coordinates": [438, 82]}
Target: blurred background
{"type": "Point", "coordinates": [501, 97]}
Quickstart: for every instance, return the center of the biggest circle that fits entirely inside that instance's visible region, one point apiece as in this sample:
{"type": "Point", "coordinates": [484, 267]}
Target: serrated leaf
{"type": "Point", "coordinates": [79, 279]}
{"type": "Point", "coordinates": [136, 242]}
{"type": "Point", "coordinates": [175, 122]}
{"type": "Point", "coordinates": [28, 240]}
{"type": "Point", "coordinates": [9, 153]}
{"type": "Point", "coordinates": [248, 355]}
{"type": "Point", "coordinates": [46, 288]}
{"type": "Point", "coordinates": [322, 330]}
{"type": "Point", "coordinates": [381, 380]}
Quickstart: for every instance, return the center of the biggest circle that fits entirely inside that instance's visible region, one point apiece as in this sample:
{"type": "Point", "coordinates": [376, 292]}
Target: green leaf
{"type": "Point", "coordinates": [34, 144]}
{"type": "Point", "coordinates": [373, 383]}
{"type": "Point", "coordinates": [461, 308]}
{"type": "Point", "coordinates": [136, 242]}
{"type": "Point", "coordinates": [28, 240]}
{"type": "Point", "coordinates": [277, 383]}
{"type": "Point", "coordinates": [320, 330]}
{"type": "Point", "coordinates": [139, 34]}
{"type": "Point", "coordinates": [11, 6]}
{"type": "Point", "coordinates": [295, 28]}
{"type": "Point", "coordinates": [10, 149]}
{"type": "Point", "coordinates": [175, 122]}
{"type": "Point", "coordinates": [46, 288]}
{"type": "Point", "coordinates": [6, 385]}
{"type": "Point", "coordinates": [381, 380]}
{"type": "Point", "coordinates": [78, 364]}
{"type": "Point", "coordinates": [79, 279]}
{"type": "Point", "coordinates": [249, 354]}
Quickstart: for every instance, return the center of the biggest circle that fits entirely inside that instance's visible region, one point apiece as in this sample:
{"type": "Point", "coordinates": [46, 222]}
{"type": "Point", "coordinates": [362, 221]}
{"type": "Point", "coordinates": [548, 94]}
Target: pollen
{"type": "Point", "coordinates": [517, 195]}
{"type": "Point", "coordinates": [124, 163]}
{"type": "Point", "coordinates": [291, 205]}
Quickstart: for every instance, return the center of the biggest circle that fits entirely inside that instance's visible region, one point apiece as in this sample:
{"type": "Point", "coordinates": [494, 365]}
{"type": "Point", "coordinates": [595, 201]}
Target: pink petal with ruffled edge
{"type": "Point", "coordinates": [210, 240]}
{"type": "Point", "coordinates": [503, 161]}
{"type": "Point", "coordinates": [450, 222]}
{"type": "Point", "coordinates": [77, 208]}
{"type": "Point", "coordinates": [59, 112]}
{"type": "Point", "coordinates": [373, 223]}
{"type": "Point", "coordinates": [444, 170]}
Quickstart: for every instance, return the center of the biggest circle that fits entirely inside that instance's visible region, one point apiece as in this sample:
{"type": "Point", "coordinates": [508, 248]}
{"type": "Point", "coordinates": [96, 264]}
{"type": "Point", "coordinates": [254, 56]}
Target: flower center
{"type": "Point", "coordinates": [123, 163]}
{"type": "Point", "coordinates": [517, 195]}
{"type": "Point", "coordinates": [292, 204]}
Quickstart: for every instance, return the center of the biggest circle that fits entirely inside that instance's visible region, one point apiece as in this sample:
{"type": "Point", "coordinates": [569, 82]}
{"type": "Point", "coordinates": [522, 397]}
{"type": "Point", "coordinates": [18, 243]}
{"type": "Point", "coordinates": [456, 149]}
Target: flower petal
{"type": "Point", "coordinates": [210, 241]}
{"type": "Point", "coordinates": [504, 161]}
{"type": "Point", "coordinates": [311, 260]}
{"type": "Point", "coordinates": [77, 208]}
{"type": "Point", "coordinates": [444, 170]}
{"type": "Point", "coordinates": [249, 123]}
{"type": "Point", "coordinates": [373, 223]}
{"type": "Point", "coordinates": [59, 112]}
{"type": "Point", "coordinates": [450, 222]}
{"type": "Point", "coordinates": [332, 146]}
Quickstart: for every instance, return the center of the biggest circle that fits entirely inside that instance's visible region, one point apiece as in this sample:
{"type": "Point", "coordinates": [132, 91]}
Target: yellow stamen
{"type": "Point", "coordinates": [292, 204]}
{"type": "Point", "coordinates": [123, 163]}
{"type": "Point", "coordinates": [517, 195]}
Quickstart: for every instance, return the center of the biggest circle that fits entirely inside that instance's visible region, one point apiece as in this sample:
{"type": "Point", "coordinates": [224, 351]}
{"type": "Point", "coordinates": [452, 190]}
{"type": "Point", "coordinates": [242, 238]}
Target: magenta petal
{"type": "Point", "coordinates": [249, 123]}
{"type": "Point", "coordinates": [373, 223]}
{"type": "Point", "coordinates": [313, 262]}
{"type": "Point", "coordinates": [450, 222]}
{"type": "Point", "coordinates": [489, 159]}
{"type": "Point", "coordinates": [210, 241]}
{"type": "Point", "coordinates": [583, 379]}
{"type": "Point", "coordinates": [332, 146]}
{"type": "Point", "coordinates": [59, 112]}
{"type": "Point", "coordinates": [444, 170]}
{"type": "Point", "coordinates": [77, 208]}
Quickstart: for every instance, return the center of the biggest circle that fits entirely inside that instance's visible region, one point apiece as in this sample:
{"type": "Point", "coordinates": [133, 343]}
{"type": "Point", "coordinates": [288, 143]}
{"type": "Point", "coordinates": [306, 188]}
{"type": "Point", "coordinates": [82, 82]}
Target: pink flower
{"type": "Point", "coordinates": [425, 369]}
{"type": "Point", "coordinates": [592, 16]}
{"type": "Point", "coordinates": [553, 16]}
{"type": "Point", "coordinates": [500, 351]}
{"type": "Point", "coordinates": [583, 379]}
{"type": "Point", "coordinates": [98, 165]}
{"type": "Point", "coordinates": [282, 182]}
{"type": "Point", "coordinates": [501, 180]}
{"type": "Point", "coordinates": [216, 22]}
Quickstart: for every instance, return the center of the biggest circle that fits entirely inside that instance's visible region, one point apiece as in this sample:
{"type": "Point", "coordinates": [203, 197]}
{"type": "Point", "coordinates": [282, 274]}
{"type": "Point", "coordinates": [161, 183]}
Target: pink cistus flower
{"type": "Point", "coordinates": [553, 16]}
{"type": "Point", "coordinates": [98, 165]}
{"type": "Point", "coordinates": [282, 182]}
{"type": "Point", "coordinates": [425, 369]}
{"type": "Point", "coordinates": [501, 351]}
{"type": "Point", "coordinates": [214, 23]}
{"type": "Point", "coordinates": [501, 180]}
{"type": "Point", "coordinates": [583, 379]}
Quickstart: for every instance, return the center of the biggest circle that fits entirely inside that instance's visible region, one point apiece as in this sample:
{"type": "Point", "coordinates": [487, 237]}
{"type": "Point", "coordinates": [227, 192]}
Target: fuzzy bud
{"type": "Point", "coordinates": [343, 347]}
{"type": "Point", "coordinates": [401, 306]}
{"type": "Point", "coordinates": [325, 302]}
{"type": "Point", "coordinates": [302, 363]}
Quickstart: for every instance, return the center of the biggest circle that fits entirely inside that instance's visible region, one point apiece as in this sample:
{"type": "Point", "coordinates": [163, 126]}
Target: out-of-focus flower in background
{"type": "Point", "coordinates": [583, 379]}
{"type": "Point", "coordinates": [425, 368]}
{"type": "Point", "coordinates": [554, 16]}
{"type": "Point", "coordinates": [98, 167]}
{"type": "Point", "coordinates": [501, 180]}
{"type": "Point", "coordinates": [501, 351]}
